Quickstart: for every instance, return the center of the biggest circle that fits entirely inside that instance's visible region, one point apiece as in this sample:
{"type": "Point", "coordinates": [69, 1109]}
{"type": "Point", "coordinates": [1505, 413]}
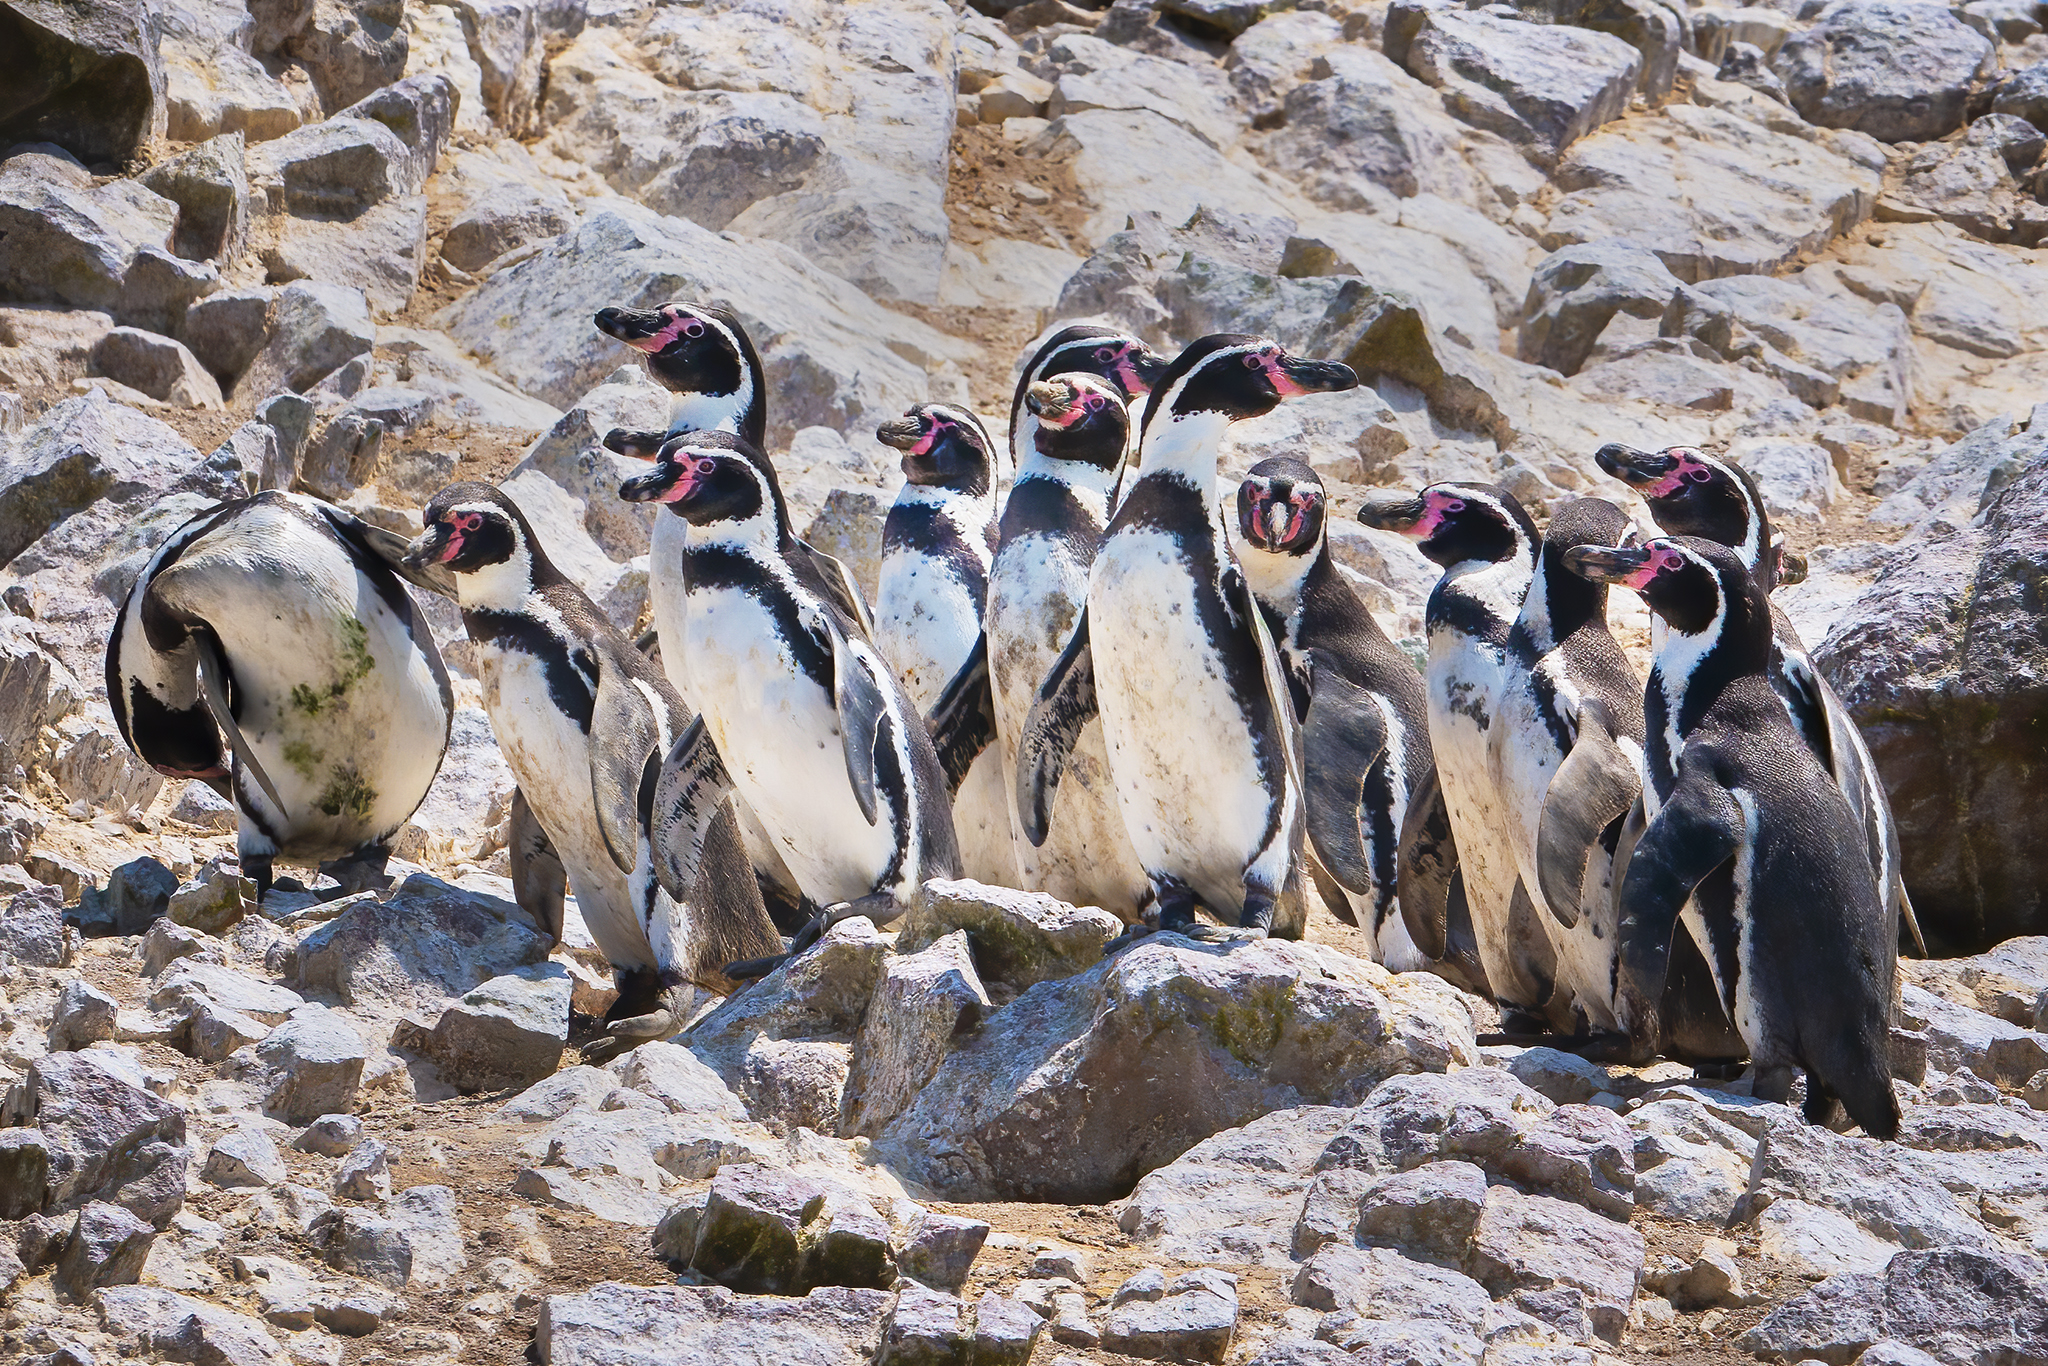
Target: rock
{"type": "Point", "coordinates": [420, 112]}
{"type": "Point", "coordinates": [1712, 1281]}
{"type": "Point", "coordinates": [1961, 1039]}
{"type": "Point", "coordinates": [365, 1173]}
{"type": "Point", "coordinates": [1579, 289]}
{"type": "Point", "coordinates": [87, 78]}
{"type": "Point", "coordinates": [24, 1172]}
{"type": "Point", "coordinates": [1017, 939]}
{"type": "Point", "coordinates": [210, 185]}
{"type": "Point", "coordinates": [1894, 69]}
{"type": "Point", "coordinates": [226, 331]}
{"type": "Point", "coordinates": [245, 1157]}
{"type": "Point", "coordinates": [502, 221]}
{"type": "Point", "coordinates": [106, 1138]}
{"type": "Point", "coordinates": [382, 250]}
{"type": "Point", "coordinates": [679, 1079]}
{"type": "Point", "coordinates": [192, 980]}
{"type": "Point", "coordinates": [1365, 117]}
{"type": "Point", "coordinates": [938, 1250]}
{"type": "Point", "coordinates": [1537, 1243]}
{"type": "Point", "coordinates": [1691, 1162]}
{"type": "Point", "coordinates": [104, 247]}
{"type": "Point", "coordinates": [999, 1106]}
{"type": "Point", "coordinates": [136, 894]}
{"type": "Point", "coordinates": [645, 1325]}
{"type": "Point", "coordinates": [213, 85]}
{"type": "Point", "coordinates": [1005, 1331]}
{"type": "Point", "coordinates": [330, 1135]}
{"type": "Point", "coordinates": [1957, 1303]}
{"type": "Point", "coordinates": [507, 1032]}
{"type": "Point", "coordinates": [927, 1328]}
{"type": "Point", "coordinates": [1886, 1191]}
{"type": "Point", "coordinates": [308, 1066]}
{"type": "Point", "coordinates": [156, 366]}
{"type": "Point", "coordinates": [750, 1236]}
{"type": "Point", "coordinates": [1540, 86]}
{"type": "Point", "coordinates": [1429, 1212]}
{"type": "Point", "coordinates": [572, 455]}
{"type": "Point", "coordinates": [1236, 1195]}
{"type": "Point", "coordinates": [923, 1003]}
{"type": "Point", "coordinates": [1818, 1242]}
{"type": "Point", "coordinates": [348, 47]}
{"type": "Point", "coordinates": [172, 1327]}
{"type": "Point", "coordinates": [1581, 1153]}
{"type": "Point", "coordinates": [32, 929]}
{"type": "Point", "coordinates": [2024, 94]}
{"type": "Point", "coordinates": [1194, 1320]}
{"type": "Point", "coordinates": [430, 941]}
{"type": "Point", "coordinates": [311, 330]}
{"type": "Point", "coordinates": [84, 1015]}
{"type": "Point", "coordinates": [1918, 685]}
{"type": "Point", "coordinates": [214, 901]}
{"type": "Point", "coordinates": [108, 1246]}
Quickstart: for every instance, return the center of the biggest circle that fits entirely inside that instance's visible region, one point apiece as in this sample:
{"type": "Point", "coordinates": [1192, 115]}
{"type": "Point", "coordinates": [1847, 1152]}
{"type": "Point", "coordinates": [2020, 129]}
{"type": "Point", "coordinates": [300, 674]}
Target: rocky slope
{"type": "Point", "coordinates": [353, 247]}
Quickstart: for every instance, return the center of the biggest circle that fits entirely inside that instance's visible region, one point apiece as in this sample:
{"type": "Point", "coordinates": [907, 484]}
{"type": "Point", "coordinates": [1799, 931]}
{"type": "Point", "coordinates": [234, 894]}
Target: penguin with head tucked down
{"type": "Point", "coordinates": [1750, 845]}
{"type": "Point", "coordinates": [799, 713]}
{"type": "Point", "coordinates": [278, 624]}
{"type": "Point", "coordinates": [1691, 493]}
{"type": "Point", "coordinates": [584, 720]}
{"type": "Point", "coordinates": [1360, 702]}
{"type": "Point", "coordinates": [1173, 654]}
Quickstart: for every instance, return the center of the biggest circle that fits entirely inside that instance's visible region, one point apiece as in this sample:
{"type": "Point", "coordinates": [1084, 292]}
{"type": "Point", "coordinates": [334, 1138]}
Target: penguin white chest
{"type": "Point", "coordinates": [1464, 693]}
{"type": "Point", "coordinates": [926, 622]}
{"type": "Point", "coordinates": [1181, 742]}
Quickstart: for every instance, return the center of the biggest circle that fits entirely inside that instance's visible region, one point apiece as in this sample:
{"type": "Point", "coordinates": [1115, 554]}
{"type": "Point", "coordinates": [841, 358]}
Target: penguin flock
{"type": "Point", "coordinates": [1095, 670]}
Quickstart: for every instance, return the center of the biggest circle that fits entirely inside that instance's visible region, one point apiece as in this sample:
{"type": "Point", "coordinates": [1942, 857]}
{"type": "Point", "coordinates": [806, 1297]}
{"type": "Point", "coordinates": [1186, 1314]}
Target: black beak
{"type": "Point", "coordinates": [1637, 469]}
{"type": "Point", "coordinates": [425, 549]}
{"type": "Point", "coordinates": [1318, 376]}
{"type": "Point", "coordinates": [900, 433]}
{"type": "Point", "coordinates": [1603, 564]}
{"type": "Point", "coordinates": [1792, 567]}
{"type": "Point", "coordinates": [629, 324]}
{"type": "Point", "coordinates": [1046, 399]}
{"type": "Point", "coordinates": [638, 445]}
{"type": "Point", "coordinates": [1391, 512]}
{"type": "Point", "coordinates": [653, 486]}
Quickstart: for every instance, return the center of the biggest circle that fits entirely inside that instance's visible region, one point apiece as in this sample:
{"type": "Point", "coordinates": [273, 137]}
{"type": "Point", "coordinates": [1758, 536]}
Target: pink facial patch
{"type": "Point", "coordinates": [461, 523]}
{"type": "Point", "coordinates": [1685, 465]}
{"type": "Point", "coordinates": [691, 471]}
{"type": "Point", "coordinates": [1663, 556]}
{"type": "Point", "coordinates": [931, 435]}
{"type": "Point", "coordinates": [681, 325]}
{"type": "Point", "coordinates": [1436, 505]}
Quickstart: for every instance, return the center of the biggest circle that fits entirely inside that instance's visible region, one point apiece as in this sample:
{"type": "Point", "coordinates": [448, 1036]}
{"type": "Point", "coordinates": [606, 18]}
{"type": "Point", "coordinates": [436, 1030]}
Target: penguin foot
{"type": "Point", "coordinates": [289, 883]}
{"type": "Point", "coordinates": [623, 1036]}
{"type": "Point", "coordinates": [361, 871]}
{"type": "Point", "coordinates": [754, 969]}
{"type": "Point", "coordinates": [1131, 935]}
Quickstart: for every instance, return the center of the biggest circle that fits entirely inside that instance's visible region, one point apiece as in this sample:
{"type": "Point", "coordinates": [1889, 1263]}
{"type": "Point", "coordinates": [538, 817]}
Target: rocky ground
{"type": "Point", "coordinates": [353, 247]}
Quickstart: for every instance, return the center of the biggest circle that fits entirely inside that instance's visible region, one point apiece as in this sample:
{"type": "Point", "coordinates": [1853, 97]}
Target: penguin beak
{"type": "Point", "coordinates": [900, 433]}
{"type": "Point", "coordinates": [430, 547]}
{"type": "Point", "coordinates": [1638, 469]}
{"type": "Point", "coordinates": [636, 445]}
{"type": "Point", "coordinates": [673, 479]}
{"type": "Point", "coordinates": [1792, 567]}
{"type": "Point", "coordinates": [1051, 403]}
{"type": "Point", "coordinates": [1391, 512]}
{"type": "Point", "coordinates": [1293, 376]}
{"type": "Point", "coordinates": [651, 330]}
{"type": "Point", "coordinates": [1623, 566]}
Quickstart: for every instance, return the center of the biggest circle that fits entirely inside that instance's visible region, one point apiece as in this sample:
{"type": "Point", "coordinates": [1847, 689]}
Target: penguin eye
{"type": "Point", "coordinates": [1253, 361]}
{"type": "Point", "coordinates": [693, 328]}
{"type": "Point", "coordinates": [1699, 474]}
{"type": "Point", "coordinates": [1105, 354]}
{"type": "Point", "coordinates": [1455, 505]}
{"type": "Point", "coordinates": [1093, 403]}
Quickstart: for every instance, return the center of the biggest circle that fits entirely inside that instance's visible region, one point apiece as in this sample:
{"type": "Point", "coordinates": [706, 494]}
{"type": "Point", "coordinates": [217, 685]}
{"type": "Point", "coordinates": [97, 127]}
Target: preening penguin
{"type": "Point", "coordinates": [800, 715]}
{"type": "Point", "coordinates": [1131, 368]}
{"type": "Point", "coordinates": [1360, 703]}
{"type": "Point", "coordinates": [583, 720]}
{"type": "Point", "coordinates": [1173, 654]}
{"type": "Point", "coordinates": [1749, 844]}
{"type": "Point", "coordinates": [278, 624]}
{"type": "Point", "coordinates": [937, 545]}
{"type": "Point", "coordinates": [1488, 549]}
{"type": "Point", "coordinates": [1691, 493]}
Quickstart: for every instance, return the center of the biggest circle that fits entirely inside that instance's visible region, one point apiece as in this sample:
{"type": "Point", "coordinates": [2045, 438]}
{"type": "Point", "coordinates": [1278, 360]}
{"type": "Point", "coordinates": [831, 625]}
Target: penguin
{"type": "Point", "coordinates": [1691, 493]}
{"type": "Point", "coordinates": [1173, 654]}
{"type": "Point", "coordinates": [937, 546]}
{"type": "Point", "coordinates": [1363, 713]}
{"type": "Point", "coordinates": [799, 713]}
{"type": "Point", "coordinates": [703, 356]}
{"type": "Point", "coordinates": [583, 719]}
{"type": "Point", "coordinates": [1488, 548]}
{"type": "Point", "coordinates": [1764, 861]}
{"type": "Point", "coordinates": [1130, 366]}
{"type": "Point", "coordinates": [278, 624]}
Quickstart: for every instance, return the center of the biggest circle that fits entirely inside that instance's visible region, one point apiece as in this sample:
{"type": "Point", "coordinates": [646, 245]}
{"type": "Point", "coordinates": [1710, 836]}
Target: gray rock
{"type": "Point", "coordinates": [106, 1138]}
{"type": "Point", "coordinates": [679, 1080]}
{"type": "Point", "coordinates": [999, 1108]}
{"type": "Point", "coordinates": [215, 900]}
{"type": "Point", "coordinates": [213, 1032]}
{"type": "Point", "coordinates": [1887, 1191]}
{"type": "Point", "coordinates": [1577, 292]}
{"type": "Point", "coordinates": [928, 1328]}
{"type": "Point", "coordinates": [365, 1173]}
{"type": "Point", "coordinates": [348, 47]}
{"type": "Point", "coordinates": [1018, 939]}
{"type": "Point", "coordinates": [1194, 1320]}
{"type": "Point", "coordinates": [1537, 1243]}
{"type": "Point", "coordinates": [308, 1066]}
{"type": "Point", "coordinates": [1429, 1212]}
{"type": "Point", "coordinates": [420, 112]}
{"type": "Point", "coordinates": [84, 1015]}
{"type": "Point", "coordinates": [1236, 1196]}
{"type": "Point", "coordinates": [210, 185]}
{"type": "Point", "coordinates": [938, 1250]}
{"type": "Point", "coordinates": [430, 941]}
{"type": "Point", "coordinates": [507, 1032]}
{"type": "Point", "coordinates": [633, 1325]}
{"type": "Point", "coordinates": [382, 250]}
{"type": "Point", "coordinates": [24, 1172]}
{"type": "Point", "coordinates": [1541, 86]}
{"type": "Point", "coordinates": [572, 455]}
{"type": "Point", "coordinates": [1364, 117]}
{"type": "Point", "coordinates": [1961, 1038]}
{"type": "Point", "coordinates": [32, 929]}
{"type": "Point", "coordinates": [506, 217]}
{"type": "Point", "coordinates": [226, 330]}
{"type": "Point", "coordinates": [330, 1135]}
{"type": "Point", "coordinates": [923, 1003]}
{"type": "Point", "coordinates": [136, 894]}
{"type": "Point", "coordinates": [2024, 94]}
{"type": "Point", "coordinates": [106, 246]}
{"type": "Point", "coordinates": [1894, 69]}
{"type": "Point", "coordinates": [1747, 64]}
{"type": "Point", "coordinates": [1909, 677]}
{"type": "Point", "coordinates": [156, 366]}
{"type": "Point", "coordinates": [107, 1247]}
{"type": "Point", "coordinates": [244, 1157]}
{"type": "Point", "coordinates": [1692, 1163]}
{"type": "Point", "coordinates": [167, 1326]}
{"type": "Point", "coordinates": [191, 980]}
{"type": "Point", "coordinates": [94, 84]}
{"type": "Point", "coordinates": [415, 1242]}
{"type": "Point", "coordinates": [751, 1234]}
{"type": "Point", "coordinates": [1958, 1304]}
{"type": "Point", "coordinates": [1818, 1242]}
{"type": "Point", "coordinates": [1005, 1331]}
{"type": "Point", "coordinates": [311, 329]}
{"type": "Point", "coordinates": [1581, 1153]}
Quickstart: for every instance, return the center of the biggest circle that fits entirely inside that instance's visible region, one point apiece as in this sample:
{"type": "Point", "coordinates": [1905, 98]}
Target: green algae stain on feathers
{"type": "Point", "coordinates": [348, 794]}
{"type": "Point", "coordinates": [356, 663]}
{"type": "Point", "coordinates": [304, 758]}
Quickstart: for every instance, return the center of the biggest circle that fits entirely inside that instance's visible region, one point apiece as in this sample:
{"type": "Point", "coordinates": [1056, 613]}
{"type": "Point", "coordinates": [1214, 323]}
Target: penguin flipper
{"type": "Point", "coordinates": [1696, 831]}
{"type": "Point", "coordinates": [1632, 827]}
{"type": "Point", "coordinates": [1591, 789]}
{"type": "Point", "coordinates": [1065, 703]}
{"type": "Point", "coordinates": [689, 791]}
{"type": "Point", "coordinates": [1238, 592]}
{"type": "Point", "coordinates": [539, 881]}
{"type": "Point", "coordinates": [840, 586]}
{"type": "Point", "coordinates": [1343, 736]}
{"type": "Point", "coordinates": [963, 720]}
{"type": "Point", "coordinates": [1428, 863]}
{"type": "Point", "coordinates": [857, 696]}
{"type": "Point", "coordinates": [388, 547]}
{"type": "Point", "coordinates": [213, 686]}
{"type": "Point", "coordinates": [625, 738]}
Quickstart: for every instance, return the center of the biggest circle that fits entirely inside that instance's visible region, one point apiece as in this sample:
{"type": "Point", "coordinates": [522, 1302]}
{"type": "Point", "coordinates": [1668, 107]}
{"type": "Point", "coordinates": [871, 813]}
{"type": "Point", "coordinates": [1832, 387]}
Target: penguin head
{"type": "Point", "coordinates": [944, 446]}
{"type": "Point", "coordinates": [1691, 493]}
{"type": "Point", "coordinates": [712, 477]}
{"type": "Point", "coordinates": [1458, 523]}
{"type": "Point", "coordinates": [1239, 376]}
{"type": "Point", "coordinates": [1129, 365]}
{"type": "Point", "coordinates": [700, 352]}
{"type": "Point", "coordinates": [1280, 508]}
{"type": "Point", "coordinates": [1080, 417]}
{"type": "Point", "coordinates": [479, 535]}
{"type": "Point", "coordinates": [1699, 587]}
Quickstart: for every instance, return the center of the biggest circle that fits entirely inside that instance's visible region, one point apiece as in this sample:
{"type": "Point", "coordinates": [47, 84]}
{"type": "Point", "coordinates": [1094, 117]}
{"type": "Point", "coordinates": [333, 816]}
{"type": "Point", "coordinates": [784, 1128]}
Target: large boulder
{"type": "Point", "coordinates": [1899, 70]}
{"type": "Point", "coordinates": [1942, 664]}
{"type": "Point", "coordinates": [1956, 1304]}
{"type": "Point", "coordinates": [633, 1325]}
{"type": "Point", "coordinates": [1364, 117]}
{"type": "Point", "coordinates": [68, 241]}
{"type": "Point", "coordinates": [1082, 1085]}
{"type": "Point", "coordinates": [85, 77]}
{"type": "Point", "coordinates": [1235, 1196]}
{"type": "Point", "coordinates": [106, 1138]}
{"type": "Point", "coordinates": [428, 942]}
